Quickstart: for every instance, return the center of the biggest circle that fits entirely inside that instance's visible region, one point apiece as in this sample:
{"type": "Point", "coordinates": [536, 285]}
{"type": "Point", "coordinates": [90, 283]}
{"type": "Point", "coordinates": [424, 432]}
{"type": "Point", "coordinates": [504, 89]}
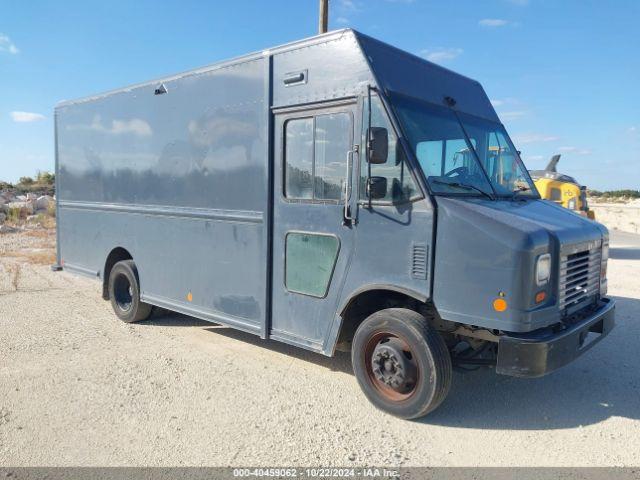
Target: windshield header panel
{"type": "Point", "coordinates": [396, 70]}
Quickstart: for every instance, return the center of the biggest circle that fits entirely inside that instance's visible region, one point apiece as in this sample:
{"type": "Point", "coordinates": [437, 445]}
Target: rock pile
{"type": "Point", "coordinates": [22, 206]}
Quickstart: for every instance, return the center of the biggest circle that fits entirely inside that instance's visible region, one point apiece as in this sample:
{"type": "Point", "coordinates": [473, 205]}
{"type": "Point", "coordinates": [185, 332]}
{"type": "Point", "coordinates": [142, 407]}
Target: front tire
{"type": "Point", "coordinates": [124, 292]}
{"type": "Point", "coordinates": [402, 365]}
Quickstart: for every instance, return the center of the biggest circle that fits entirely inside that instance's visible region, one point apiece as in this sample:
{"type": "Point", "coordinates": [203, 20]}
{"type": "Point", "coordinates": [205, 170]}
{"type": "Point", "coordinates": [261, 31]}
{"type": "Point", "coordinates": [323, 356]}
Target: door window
{"type": "Point", "coordinates": [316, 156]}
{"type": "Point", "coordinates": [299, 158]}
{"type": "Point", "coordinates": [310, 260]}
{"type": "Point", "coordinates": [555, 195]}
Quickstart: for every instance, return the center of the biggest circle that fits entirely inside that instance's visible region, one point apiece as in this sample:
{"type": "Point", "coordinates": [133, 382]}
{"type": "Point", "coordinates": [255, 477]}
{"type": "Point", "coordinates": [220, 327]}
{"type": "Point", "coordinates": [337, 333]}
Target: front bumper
{"type": "Point", "coordinates": [541, 352]}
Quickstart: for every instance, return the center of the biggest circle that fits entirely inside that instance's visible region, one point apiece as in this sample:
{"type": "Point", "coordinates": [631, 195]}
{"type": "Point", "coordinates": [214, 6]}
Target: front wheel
{"type": "Point", "coordinates": [124, 292]}
{"type": "Point", "coordinates": [402, 365]}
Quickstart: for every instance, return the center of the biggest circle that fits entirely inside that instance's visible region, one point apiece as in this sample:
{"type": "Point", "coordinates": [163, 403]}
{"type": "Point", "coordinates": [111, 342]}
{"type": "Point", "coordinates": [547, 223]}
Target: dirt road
{"type": "Point", "coordinates": [78, 387]}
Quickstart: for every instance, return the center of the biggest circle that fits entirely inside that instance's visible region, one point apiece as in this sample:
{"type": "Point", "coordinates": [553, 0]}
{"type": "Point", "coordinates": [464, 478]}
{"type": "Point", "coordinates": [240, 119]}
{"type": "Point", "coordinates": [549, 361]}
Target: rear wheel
{"type": "Point", "coordinates": [124, 292]}
{"type": "Point", "coordinates": [402, 365]}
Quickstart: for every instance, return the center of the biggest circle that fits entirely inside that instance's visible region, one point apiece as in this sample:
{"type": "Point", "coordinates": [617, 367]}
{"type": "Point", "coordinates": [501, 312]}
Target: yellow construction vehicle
{"type": "Point", "coordinates": [561, 189]}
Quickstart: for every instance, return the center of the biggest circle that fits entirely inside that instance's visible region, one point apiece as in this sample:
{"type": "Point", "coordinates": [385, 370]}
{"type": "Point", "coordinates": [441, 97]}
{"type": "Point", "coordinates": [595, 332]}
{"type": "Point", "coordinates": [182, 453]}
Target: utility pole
{"type": "Point", "coordinates": [323, 21]}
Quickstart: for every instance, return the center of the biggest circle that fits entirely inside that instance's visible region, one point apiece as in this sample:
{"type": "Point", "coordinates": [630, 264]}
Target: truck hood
{"type": "Point", "coordinates": [537, 218]}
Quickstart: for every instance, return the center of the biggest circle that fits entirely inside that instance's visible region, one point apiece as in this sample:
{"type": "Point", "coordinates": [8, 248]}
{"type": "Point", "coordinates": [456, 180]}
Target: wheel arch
{"type": "Point", "coordinates": [372, 298]}
{"type": "Point", "coordinates": [115, 255]}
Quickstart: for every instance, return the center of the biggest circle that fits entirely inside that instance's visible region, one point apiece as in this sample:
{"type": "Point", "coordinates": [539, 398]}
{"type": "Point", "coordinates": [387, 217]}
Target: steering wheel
{"type": "Point", "coordinates": [460, 171]}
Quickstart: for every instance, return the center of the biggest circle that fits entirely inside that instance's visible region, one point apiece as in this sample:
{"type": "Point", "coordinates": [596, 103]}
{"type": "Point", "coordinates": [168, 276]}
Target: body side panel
{"type": "Point", "coordinates": [180, 180]}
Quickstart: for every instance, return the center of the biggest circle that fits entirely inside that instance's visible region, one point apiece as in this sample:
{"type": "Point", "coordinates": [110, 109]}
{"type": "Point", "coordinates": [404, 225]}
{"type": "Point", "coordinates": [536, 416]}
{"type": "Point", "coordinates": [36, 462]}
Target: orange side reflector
{"type": "Point", "coordinates": [540, 296]}
{"type": "Point", "coordinates": [189, 297]}
{"type": "Point", "coordinates": [499, 304]}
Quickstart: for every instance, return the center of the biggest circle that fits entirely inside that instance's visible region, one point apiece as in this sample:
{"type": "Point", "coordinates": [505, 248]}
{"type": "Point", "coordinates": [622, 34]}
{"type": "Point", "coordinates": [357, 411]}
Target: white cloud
{"type": "Point", "coordinates": [134, 126]}
{"type": "Point", "coordinates": [348, 5]}
{"type": "Point", "coordinates": [512, 115]}
{"type": "Point", "coordinates": [344, 11]}
{"type": "Point", "coordinates": [533, 158]}
{"type": "Point", "coordinates": [499, 102]}
{"type": "Point", "coordinates": [524, 138]}
{"type": "Point", "coordinates": [633, 129]}
{"type": "Point", "coordinates": [441, 54]}
{"type": "Point", "coordinates": [25, 117]}
{"type": "Point", "coordinates": [6, 45]}
{"type": "Point", "coordinates": [576, 150]}
{"type": "Point", "coordinates": [493, 22]}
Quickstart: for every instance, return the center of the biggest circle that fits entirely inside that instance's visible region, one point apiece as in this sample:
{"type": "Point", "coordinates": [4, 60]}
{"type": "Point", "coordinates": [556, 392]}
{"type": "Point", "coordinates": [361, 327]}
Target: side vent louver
{"type": "Point", "coordinates": [419, 261]}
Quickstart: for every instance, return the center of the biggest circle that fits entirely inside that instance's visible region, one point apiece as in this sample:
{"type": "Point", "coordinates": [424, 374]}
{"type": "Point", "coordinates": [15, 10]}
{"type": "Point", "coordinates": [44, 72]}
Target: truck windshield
{"type": "Point", "coordinates": [461, 154]}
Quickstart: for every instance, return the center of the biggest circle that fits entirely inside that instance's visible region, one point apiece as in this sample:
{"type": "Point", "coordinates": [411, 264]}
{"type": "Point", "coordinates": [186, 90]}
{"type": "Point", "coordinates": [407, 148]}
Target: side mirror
{"type": "Point", "coordinates": [377, 188]}
{"type": "Point", "coordinates": [378, 145]}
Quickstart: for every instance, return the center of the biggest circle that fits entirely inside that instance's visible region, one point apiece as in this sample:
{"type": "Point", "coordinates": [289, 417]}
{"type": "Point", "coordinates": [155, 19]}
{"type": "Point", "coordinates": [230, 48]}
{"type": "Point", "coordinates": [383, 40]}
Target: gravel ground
{"type": "Point", "coordinates": [78, 387]}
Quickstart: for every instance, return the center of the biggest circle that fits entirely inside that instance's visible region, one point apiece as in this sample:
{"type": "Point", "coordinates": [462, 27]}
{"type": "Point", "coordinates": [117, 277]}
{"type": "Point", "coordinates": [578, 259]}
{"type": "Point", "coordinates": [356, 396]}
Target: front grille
{"type": "Point", "coordinates": [579, 275]}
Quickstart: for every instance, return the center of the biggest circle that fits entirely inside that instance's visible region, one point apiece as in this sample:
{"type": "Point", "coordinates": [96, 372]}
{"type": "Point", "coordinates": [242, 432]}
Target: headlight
{"type": "Point", "coordinates": [543, 269]}
{"type": "Point", "coordinates": [572, 204]}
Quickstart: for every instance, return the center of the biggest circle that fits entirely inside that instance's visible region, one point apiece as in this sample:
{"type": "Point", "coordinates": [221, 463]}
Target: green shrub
{"type": "Point", "coordinates": [26, 181]}
{"type": "Point", "coordinates": [615, 193]}
{"type": "Point", "coordinates": [46, 178]}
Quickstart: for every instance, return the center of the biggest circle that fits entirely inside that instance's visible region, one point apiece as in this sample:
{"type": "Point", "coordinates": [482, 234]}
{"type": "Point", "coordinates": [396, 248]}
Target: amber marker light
{"type": "Point", "coordinates": [499, 304]}
{"type": "Point", "coordinates": [540, 296]}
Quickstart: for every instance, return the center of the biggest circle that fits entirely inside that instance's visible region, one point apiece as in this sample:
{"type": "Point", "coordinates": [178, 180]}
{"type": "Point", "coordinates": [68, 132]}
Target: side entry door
{"type": "Point", "coordinates": [312, 236]}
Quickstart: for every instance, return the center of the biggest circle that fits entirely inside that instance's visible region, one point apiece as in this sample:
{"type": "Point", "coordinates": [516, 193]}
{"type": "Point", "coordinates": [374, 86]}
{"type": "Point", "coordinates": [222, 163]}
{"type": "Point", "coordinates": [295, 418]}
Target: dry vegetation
{"type": "Point", "coordinates": [16, 219]}
{"type": "Point", "coordinates": [47, 232]}
{"type": "Point", "coordinates": [30, 244]}
{"type": "Point", "coordinates": [22, 251]}
{"type": "Point", "coordinates": [34, 256]}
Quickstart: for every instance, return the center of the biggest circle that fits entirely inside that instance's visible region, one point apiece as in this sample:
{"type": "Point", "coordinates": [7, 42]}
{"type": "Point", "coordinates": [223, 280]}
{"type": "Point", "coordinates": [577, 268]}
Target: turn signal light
{"type": "Point", "coordinates": [540, 296]}
{"type": "Point", "coordinates": [499, 304]}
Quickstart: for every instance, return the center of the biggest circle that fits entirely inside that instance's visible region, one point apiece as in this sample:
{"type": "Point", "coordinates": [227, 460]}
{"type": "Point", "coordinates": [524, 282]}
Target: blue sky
{"type": "Point", "coordinates": [563, 75]}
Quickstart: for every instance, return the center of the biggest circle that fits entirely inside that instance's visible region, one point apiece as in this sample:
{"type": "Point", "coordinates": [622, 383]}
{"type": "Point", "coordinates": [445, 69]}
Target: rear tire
{"type": "Point", "coordinates": [124, 292]}
{"type": "Point", "coordinates": [402, 364]}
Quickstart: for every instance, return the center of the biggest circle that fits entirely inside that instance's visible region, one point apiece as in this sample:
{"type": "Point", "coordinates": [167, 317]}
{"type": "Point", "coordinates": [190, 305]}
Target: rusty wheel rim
{"type": "Point", "coordinates": [392, 366]}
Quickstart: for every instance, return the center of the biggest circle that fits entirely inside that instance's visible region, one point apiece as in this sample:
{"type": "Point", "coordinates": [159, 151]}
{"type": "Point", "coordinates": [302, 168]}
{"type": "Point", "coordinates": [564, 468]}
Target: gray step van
{"type": "Point", "coordinates": [334, 193]}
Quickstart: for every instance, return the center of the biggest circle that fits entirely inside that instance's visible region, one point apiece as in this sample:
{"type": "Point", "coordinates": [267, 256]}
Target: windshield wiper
{"type": "Point", "coordinates": [464, 186]}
